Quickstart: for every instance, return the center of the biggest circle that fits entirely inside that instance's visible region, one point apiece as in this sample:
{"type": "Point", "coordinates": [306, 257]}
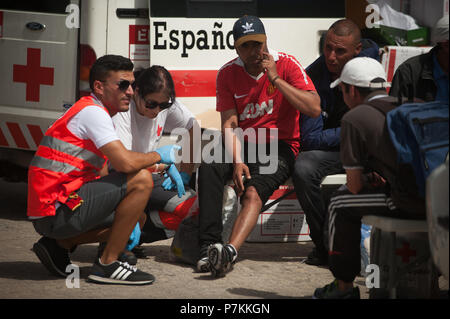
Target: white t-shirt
{"type": "Point", "coordinates": [139, 133]}
{"type": "Point", "coordinates": [94, 124]}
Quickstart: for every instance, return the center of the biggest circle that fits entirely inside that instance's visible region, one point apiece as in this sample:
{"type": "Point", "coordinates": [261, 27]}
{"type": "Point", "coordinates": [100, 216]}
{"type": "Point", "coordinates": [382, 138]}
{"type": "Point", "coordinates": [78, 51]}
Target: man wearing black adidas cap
{"type": "Point", "coordinates": [261, 91]}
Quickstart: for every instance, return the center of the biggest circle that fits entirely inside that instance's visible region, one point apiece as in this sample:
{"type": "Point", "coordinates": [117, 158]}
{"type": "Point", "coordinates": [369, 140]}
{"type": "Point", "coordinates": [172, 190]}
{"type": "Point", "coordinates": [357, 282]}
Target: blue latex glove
{"type": "Point", "coordinates": [169, 185]}
{"type": "Point", "coordinates": [167, 153]}
{"type": "Point", "coordinates": [173, 180]}
{"type": "Point", "coordinates": [134, 238]}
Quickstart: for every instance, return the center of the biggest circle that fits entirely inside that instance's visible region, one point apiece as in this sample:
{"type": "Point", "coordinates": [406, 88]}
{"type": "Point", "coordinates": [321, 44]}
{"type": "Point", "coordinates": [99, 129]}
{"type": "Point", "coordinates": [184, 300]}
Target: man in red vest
{"type": "Point", "coordinates": [72, 199]}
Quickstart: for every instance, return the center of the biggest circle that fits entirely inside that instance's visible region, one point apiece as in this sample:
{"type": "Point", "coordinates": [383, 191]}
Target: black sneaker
{"type": "Point", "coordinates": [221, 258]}
{"type": "Point", "coordinates": [331, 291]}
{"type": "Point", "coordinates": [125, 256]}
{"type": "Point", "coordinates": [120, 273]}
{"type": "Point", "coordinates": [203, 263]}
{"type": "Point", "coordinates": [52, 256]}
{"type": "Point", "coordinates": [316, 258]}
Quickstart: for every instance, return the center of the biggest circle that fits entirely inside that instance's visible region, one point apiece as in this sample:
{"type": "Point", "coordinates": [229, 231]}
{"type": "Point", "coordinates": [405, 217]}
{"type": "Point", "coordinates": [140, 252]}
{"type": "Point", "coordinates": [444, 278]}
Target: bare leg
{"type": "Point", "coordinates": [93, 236]}
{"type": "Point", "coordinates": [247, 218]}
{"type": "Point", "coordinates": [128, 212]}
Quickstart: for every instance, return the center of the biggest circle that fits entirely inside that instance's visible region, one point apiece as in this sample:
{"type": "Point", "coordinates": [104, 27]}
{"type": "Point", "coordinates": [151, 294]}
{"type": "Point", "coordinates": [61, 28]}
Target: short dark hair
{"type": "Point", "coordinates": [155, 79]}
{"type": "Point", "coordinates": [346, 27]}
{"type": "Point", "coordinates": [364, 91]}
{"type": "Point", "coordinates": [103, 65]}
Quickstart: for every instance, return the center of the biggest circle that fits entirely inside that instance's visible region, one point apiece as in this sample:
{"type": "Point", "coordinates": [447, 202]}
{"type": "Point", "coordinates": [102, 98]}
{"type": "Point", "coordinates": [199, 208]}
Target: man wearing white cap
{"type": "Point", "coordinates": [370, 162]}
{"type": "Point", "coordinates": [426, 74]}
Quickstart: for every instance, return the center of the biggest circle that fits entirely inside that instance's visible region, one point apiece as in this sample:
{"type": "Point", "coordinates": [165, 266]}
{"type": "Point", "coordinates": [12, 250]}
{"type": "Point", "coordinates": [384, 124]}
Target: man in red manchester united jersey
{"type": "Point", "coordinates": [264, 93]}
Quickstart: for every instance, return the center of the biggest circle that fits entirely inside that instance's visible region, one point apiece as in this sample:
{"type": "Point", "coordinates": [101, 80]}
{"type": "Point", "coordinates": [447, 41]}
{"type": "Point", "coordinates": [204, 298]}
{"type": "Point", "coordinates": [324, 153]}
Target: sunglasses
{"type": "Point", "coordinates": [162, 106]}
{"type": "Point", "coordinates": [123, 85]}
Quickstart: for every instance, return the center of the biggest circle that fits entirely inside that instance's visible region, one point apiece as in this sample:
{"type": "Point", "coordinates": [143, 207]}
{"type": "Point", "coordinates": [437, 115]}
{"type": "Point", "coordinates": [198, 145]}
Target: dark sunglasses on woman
{"type": "Point", "coordinates": [162, 106]}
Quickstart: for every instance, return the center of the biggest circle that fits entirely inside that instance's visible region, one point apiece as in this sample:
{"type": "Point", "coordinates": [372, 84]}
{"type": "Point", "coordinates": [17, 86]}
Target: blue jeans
{"type": "Point", "coordinates": [311, 167]}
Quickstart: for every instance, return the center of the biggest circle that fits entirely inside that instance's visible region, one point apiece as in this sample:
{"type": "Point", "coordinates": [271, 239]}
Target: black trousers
{"type": "Point", "coordinates": [213, 177]}
{"type": "Point", "coordinates": [345, 213]}
{"type": "Point", "coordinates": [310, 169]}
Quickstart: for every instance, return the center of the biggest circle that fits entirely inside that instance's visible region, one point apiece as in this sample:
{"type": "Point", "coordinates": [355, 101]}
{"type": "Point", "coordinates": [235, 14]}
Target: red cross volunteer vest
{"type": "Point", "coordinates": [62, 164]}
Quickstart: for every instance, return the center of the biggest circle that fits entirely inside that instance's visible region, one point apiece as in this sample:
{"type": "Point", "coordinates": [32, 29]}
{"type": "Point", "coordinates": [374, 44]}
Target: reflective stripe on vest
{"type": "Point", "coordinates": [73, 150]}
{"type": "Point", "coordinates": [52, 165]}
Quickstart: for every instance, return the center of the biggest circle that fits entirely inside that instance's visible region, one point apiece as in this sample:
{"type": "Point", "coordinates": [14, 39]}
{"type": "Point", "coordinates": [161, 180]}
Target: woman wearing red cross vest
{"type": "Point", "coordinates": [72, 200]}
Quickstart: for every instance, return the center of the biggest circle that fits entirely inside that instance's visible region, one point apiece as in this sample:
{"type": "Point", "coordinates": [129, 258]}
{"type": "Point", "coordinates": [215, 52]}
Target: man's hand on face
{"type": "Point", "coordinates": [269, 65]}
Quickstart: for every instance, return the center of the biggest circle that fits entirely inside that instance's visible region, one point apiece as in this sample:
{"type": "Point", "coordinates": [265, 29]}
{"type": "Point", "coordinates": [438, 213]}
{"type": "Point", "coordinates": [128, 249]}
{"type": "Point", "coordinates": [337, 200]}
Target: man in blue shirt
{"type": "Point", "coordinates": [320, 137]}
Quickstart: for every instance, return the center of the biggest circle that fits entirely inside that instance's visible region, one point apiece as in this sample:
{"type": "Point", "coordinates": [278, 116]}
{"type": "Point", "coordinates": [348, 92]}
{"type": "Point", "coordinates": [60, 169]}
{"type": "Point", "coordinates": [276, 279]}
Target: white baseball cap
{"type": "Point", "coordinates": [440, 30]}
{"type": "Point", "coordinates": [363, 72]}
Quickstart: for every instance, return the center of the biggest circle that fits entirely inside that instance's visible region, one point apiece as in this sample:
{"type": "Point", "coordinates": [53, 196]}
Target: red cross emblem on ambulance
{"type": "Point", "coordinates": [33, 74]}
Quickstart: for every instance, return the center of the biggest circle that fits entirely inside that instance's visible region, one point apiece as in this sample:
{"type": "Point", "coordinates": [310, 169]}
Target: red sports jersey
{"type": "Point", "coordinates": [259, 104]}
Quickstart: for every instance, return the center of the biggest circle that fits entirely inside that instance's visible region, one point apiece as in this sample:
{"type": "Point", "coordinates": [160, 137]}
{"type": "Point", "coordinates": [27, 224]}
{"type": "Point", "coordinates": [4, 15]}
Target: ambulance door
{"type": "Point", "coordinates": [38, 67]}
{"type": "Point", "coordinates": [128, 31]}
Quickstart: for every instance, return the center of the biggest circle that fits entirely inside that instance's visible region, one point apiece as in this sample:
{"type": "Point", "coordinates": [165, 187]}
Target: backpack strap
{"type": "Point", "coordinates": [383, 105]}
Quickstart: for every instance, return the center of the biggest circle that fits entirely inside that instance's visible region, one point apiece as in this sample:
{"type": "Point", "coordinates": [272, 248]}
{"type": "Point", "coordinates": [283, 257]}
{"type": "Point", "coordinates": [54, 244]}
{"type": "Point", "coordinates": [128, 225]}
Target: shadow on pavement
{"type": "Point", "coordinates": [28, 270]}
{"type": "Point", "coordinates": [260, 294]}
{"type": "Point", "coordinates": [14, 199]}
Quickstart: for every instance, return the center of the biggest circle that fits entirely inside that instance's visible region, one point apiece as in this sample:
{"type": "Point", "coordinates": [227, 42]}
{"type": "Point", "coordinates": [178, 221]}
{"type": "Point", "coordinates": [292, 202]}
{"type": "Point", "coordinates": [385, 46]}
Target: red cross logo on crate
{"type": "Point", "coordinates": [33, 74]}
{"type": "Point", "coordinates": [405, 252]}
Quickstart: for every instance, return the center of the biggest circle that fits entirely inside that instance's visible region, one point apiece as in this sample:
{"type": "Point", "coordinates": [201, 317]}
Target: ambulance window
{"type": "Point", "coordinates": [169, 9]}
{"type": "Point", "coordinates": [301, 9]}
{"type": "Point", "coordinates": [47, 6]}
{"type": "Point", "coordinates": [221, 8]}
{"type": "Point", "coordinates": [237, 8]}
{"type": "Point", "coordinates": [202, 8]}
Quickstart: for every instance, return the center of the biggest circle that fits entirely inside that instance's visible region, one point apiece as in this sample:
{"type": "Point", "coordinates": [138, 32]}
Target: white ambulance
{"type": "Point", "coordinates": [48, 46]}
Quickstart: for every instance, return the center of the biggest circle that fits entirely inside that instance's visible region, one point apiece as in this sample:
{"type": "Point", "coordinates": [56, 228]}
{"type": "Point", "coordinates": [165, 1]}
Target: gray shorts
{"type": "Point", "coordinates": [100, 199]}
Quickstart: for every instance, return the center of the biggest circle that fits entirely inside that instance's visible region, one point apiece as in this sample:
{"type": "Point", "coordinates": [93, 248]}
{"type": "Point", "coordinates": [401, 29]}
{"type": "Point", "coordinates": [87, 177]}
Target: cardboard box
{"type": "Point", "coordinates": [393, 56]}
{"type": "Point", "coordinates": [394, 36]}
{"type": "Point", "coordinates": [384, 35]}
{"type": "Point", "coordinates": [283, 222]}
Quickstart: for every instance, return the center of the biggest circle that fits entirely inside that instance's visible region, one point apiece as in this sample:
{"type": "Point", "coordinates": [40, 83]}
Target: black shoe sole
{"type": "Point", "coordinates": [43, 255]}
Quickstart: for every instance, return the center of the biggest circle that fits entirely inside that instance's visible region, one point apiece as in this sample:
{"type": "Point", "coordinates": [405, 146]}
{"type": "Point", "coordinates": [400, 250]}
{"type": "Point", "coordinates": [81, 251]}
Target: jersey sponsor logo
{"type": "Point", "coordinates": [254, 110]}
{"type": "Point", "coordinates": [159, 130]}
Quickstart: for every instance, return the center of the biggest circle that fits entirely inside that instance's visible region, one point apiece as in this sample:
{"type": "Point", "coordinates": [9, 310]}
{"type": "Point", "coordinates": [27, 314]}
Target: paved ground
{"type": "Point", "coordinates": [264, 270]}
